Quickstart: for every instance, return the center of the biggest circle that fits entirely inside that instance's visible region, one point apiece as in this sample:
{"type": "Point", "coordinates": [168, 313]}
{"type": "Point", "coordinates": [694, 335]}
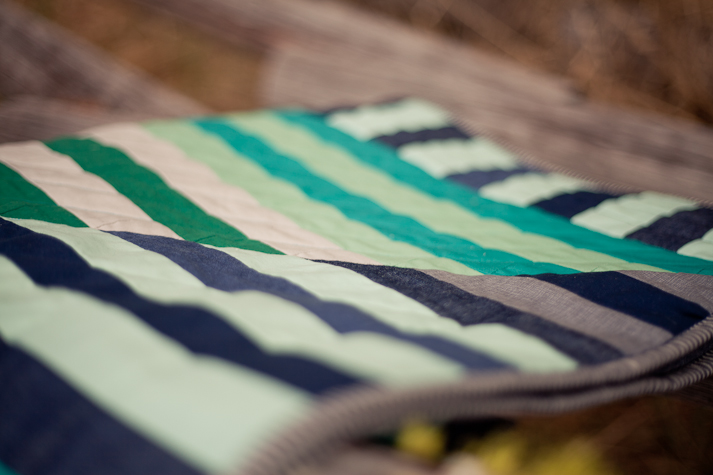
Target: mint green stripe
{"type": "Point", "coordinates": [621, 216]}
{"type": "Point", "coordinates": [498, 243]}
{"type": "Point", "coordinates": [398, 227]}
{"type": "Point", "coordinates": [282, 196]}
{"type": "Point", "coordinates": [336, 284]}
{"type": "Point", "coordinates": [205, 411]}
{"type": "Point", "coordinates": [369, 121]}
{"type": "Point", "coordinates": [147, 190]}
{"type": "Point", "coordinates": [440, 158]}
{"type": "Point", "coordinates": [526, 219]}
{"type": "Point", "coordinates": [701, 248]}
{"type": "Point", "coordinates": [21, 199]}
{"type": "Point", "coordinates": [525, 189]}
{"type": "Point", "coordinates": [276, 325]}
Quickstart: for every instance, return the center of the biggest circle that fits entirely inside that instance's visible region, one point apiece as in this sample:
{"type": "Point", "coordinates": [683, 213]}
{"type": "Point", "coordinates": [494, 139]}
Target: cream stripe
{"type": "Point", "coordinates": [288, 199]}
{"type": "Point", "coordinates": [440, 158]}
{"type": "Point", "coordinates": [443, 216]}
{"type": "Point", "coordinates": [276, 325]}
{"type": "Point", "coordinates": [233, 205]}
{"type": "Point", "coordinates": [84, 194]}
{"type": "Point", "coordinates": [369, 121]}
{"type": "Point", "coordinates": [333, 283]}
{"type": "Point", "coordinates": [618, 217]}
{"type": "Point", "coordinates": [528, 188]}
{"type": "Point", "coordinates": [210, 413]}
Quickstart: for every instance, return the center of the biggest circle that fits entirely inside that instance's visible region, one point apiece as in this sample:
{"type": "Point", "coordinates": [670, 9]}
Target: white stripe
{"type": "Point", "coordinates": [233, 205]}
{"type": "Point", "coordinates": [206, 411]}
{"type": "Point", "coordinates": [619, 217]}
{"type": "Point", "coordinates": [701, 248]}
{"type": "Point", "coordinates": [367, 122]}
{"type": "Point", "coordinates": [276, 325]}
{"type": "Point", "coordinates": [440, 158]}
{"type": "Point", "coordinates": [528, 188]}
{"type": "Point", "coordinates": [84, 194]}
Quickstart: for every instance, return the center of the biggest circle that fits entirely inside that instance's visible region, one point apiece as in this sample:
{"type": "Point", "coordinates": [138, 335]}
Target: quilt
{"type": "Point", "coordinates": [239, 293]}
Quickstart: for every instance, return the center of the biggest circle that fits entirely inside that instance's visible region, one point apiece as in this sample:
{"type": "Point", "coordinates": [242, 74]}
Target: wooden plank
{"type": "Point", "coordinates": [602, 143]}
{"type": "Point", "coordinates": [38, 118]}
{"type": "Point", "coordinates": [38, 58]}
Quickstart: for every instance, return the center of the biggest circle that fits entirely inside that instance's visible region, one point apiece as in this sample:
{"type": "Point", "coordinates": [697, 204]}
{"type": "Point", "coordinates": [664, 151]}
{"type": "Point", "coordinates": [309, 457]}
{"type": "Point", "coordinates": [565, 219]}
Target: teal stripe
{"type": "Point", "coordinates": [397, 227]}
{"type": "Point", "coordinates": [21, 199]}
{"type": "Point", "coordinates": [5, 470]}
{"type": "Point", "coordinates": [284, 197]}
{"type": "Point", "coordinates": [354, 176]}
{"type": "Point", "coordinates": [526, 219]}
{"type": "Point", "coordinates": [148, 191]}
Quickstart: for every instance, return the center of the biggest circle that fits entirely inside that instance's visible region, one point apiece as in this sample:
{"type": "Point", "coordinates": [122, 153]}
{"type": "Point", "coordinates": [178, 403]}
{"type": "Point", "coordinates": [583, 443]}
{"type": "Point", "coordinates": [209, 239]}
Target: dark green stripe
{"type": "Point", "coordinates": [396, 227]}
{"type": "Point", "coordinates": [526, 219]}
{"type": "Point", "coordinates": [149, 192]}
{"type": "Point", "coordinates": [21, 199]}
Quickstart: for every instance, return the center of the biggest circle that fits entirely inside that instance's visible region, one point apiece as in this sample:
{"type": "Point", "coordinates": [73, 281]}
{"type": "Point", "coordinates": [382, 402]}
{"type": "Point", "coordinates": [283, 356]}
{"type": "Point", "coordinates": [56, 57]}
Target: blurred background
{"type": "Point", "coordinates": [652, 56]}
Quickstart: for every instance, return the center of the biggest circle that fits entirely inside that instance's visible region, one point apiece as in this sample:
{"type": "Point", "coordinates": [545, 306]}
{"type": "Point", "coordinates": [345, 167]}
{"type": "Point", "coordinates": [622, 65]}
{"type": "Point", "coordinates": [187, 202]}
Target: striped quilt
{"type": "Point", "coordinates": [241, 293]}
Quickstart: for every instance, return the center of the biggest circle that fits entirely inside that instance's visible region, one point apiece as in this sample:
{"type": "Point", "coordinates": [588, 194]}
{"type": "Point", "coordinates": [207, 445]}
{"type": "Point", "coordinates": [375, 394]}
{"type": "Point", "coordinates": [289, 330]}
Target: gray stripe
{"type": "Point", "coordinates": [693, 287]}
{"type": "Point", "coordinates": [562, 307]}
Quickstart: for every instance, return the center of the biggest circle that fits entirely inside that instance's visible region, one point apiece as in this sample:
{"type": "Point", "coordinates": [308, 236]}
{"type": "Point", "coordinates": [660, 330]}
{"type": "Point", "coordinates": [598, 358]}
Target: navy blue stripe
{"type": "Point", "coordinates": [570, 204]}
{"type": "Point", "coordinates": [50, 262]}
{"type": "Point", "coordinates": [674, 231]}
{"type": "Point", "coordinates": [47, 427]}
{"type": "Point", "coordinates": [388, 101]}
{"type": "Point", "coordinates": [633, 297]}
{"type": "Point", "coordinates": [219, 270]}
{"type": "Point", "coordinates": [402, 138]}
{"type": "Point", "coordinates": [452, 302]}
{"type": "Point", "coordinates": [477, 179]}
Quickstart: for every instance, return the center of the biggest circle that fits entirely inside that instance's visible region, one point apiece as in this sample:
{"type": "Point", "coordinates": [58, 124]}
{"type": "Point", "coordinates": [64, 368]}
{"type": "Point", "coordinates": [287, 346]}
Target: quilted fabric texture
{"type": "Point", "coordinates": [240, 292]}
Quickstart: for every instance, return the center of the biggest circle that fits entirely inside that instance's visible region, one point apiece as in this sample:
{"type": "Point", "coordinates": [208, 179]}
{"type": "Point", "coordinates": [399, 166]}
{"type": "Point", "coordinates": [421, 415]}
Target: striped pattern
{"type": "Point", "coordinates": [175, 293]}
{"type": "Point", "coordinates": [652, 218]}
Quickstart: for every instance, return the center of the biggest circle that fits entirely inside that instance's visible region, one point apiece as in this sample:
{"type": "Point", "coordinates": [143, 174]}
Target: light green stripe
{"type": "Point", "coordinates": [276, 325]}
{"type": "Point", "coordinates": [287, 199]}
{"type": "Point", "coordinates": [528, 188]}
{"type": "Point", "coordinates": [205, 411]}
{"type": "Point", "coordinates": [529, 220]}
{"type": "Point", "coordinates": [442, 216]}
{"type": "Point", "coordinates": [440, 158]}
{"type": "Point", "coordinates": [334, 283]}
{"type": "Point", "coordinates": [701, 248]}
{"type": "Point", "coordinates": [369, 121]}
{"type": "Point", "coordinates": [618, 217]}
